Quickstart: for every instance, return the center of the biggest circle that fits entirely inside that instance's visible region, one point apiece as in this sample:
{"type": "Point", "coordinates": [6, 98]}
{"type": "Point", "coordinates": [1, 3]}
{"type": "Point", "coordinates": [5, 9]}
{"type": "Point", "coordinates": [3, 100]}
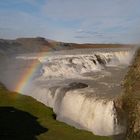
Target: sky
{"type": "Point", "coordinates": [80, 21]}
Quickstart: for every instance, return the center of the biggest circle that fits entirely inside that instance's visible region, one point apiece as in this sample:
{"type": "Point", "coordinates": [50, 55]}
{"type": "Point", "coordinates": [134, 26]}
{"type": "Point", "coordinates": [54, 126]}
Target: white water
{"type": "Point", "coordinates": [76, 65]}
{"type": "Point", "coordinates": [87, 112]}
{"type": "Point", "coordinates": [72, 64]}
{"type": "Point", "coordinates": [91, 108]}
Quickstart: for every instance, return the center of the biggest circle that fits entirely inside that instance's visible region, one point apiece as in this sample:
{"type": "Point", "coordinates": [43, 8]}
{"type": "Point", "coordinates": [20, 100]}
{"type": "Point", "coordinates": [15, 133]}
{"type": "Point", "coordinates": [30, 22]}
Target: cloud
{"type": "Point", "coordinates": [20, 24]}
{"type": "Point", "coordinates": [73, 9]}
{"type": "Point", "coordinates": [102, 20]}
{"type": "Point", "coordinates": [72, 20]}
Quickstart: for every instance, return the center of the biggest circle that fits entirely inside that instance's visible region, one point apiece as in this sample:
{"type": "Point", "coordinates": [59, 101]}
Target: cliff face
{"type": "Point", "coordinates": [129, 103]}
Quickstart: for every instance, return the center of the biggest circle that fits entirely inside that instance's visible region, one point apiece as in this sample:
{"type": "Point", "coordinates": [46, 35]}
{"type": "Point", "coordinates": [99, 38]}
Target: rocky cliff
{"type": "Point", "coordinates": [128, 105]}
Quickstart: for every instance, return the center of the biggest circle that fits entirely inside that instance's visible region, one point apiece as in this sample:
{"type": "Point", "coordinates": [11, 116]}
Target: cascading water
{"type": "Point", "coordinates": [80, 86]}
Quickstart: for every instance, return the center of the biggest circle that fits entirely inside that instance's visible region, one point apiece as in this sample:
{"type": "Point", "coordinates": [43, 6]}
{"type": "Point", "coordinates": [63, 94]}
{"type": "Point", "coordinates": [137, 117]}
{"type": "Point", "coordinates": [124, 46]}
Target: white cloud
{"type": "Point", "coordinates": [99, 20]}
{"type": "Point", "coordinates": [20, 24]}
{"type": "Point", "coordinates": [71, 9]}
{"type": "Point", "coordinates": [91, 20]}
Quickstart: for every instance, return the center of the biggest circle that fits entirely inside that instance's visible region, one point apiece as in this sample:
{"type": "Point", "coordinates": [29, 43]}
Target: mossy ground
{"type": "Point", "coordinates": [45, 117]}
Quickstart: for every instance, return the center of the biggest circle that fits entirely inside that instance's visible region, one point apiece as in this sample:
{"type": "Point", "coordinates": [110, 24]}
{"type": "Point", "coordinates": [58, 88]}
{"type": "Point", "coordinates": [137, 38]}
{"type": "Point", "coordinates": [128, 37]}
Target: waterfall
{"type": "Point", "coordinates": [82, 109]}
{"type": "Point", "coordinates": [88, 107]}
{"type": "Point", "coordinates": [74, 66]}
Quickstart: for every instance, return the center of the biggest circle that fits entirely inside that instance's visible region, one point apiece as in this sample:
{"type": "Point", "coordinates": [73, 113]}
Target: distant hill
{"type": "Point", "coordinates": [39, 44]}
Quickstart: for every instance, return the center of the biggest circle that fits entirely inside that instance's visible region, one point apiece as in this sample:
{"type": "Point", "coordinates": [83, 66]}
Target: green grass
{"type": "Point", "coordinates": [56, 130]}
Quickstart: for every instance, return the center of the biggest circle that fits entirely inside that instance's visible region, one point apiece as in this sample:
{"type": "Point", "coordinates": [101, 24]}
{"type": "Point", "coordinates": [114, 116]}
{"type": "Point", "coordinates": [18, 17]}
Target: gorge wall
{"type": "Point", "coordinates": [129, 103]}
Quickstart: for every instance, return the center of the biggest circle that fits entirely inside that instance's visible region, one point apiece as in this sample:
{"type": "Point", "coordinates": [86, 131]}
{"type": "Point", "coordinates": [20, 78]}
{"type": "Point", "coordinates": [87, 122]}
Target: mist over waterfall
{"type": "Point", "coordinates": [79, 85]}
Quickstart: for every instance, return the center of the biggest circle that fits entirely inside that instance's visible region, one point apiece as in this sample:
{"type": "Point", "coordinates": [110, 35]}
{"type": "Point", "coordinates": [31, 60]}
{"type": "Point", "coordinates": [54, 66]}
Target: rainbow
{"type": "Point", "coordinates": [28, 74]}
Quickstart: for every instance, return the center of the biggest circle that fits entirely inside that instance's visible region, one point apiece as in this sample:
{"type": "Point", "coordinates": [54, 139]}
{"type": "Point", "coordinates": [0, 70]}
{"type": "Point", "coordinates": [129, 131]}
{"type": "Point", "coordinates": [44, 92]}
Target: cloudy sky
{"type": "Point", "coordinates": [81, 21]}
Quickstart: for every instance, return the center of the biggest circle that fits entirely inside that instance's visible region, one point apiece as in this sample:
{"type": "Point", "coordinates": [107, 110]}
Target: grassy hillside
{"type": "Point", "coordinates": [130, 100]}
{"type": "Point", "coordinates": [23, 118]}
